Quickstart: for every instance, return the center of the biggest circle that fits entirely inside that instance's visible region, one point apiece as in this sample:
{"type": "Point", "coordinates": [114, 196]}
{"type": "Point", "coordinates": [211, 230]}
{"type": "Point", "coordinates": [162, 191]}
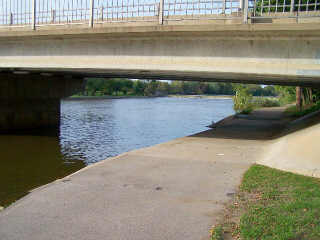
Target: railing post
{"type": "Point", "coordinates": [11, 19]}
{"type": "Point", "coordinates": [224, 6]}
{"type": "Point", "coordinates": [292, 6]}
{"type": "Point", "coordinates": [91, 20]}
{"type": "Point", "coordinates": [245, 11]}
{"type": "Point", "coordinates": [101, 14]}
{"type": "Point", "coordinates": [34, 17]}
{"type": "Point", "coordinates": [161, 12]}
{"type": "Point", "coordinates": [53, 16]}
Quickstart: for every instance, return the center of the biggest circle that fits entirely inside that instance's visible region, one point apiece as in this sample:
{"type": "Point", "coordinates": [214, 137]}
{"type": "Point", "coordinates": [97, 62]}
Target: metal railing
{"type": "Point", "coordinates": [46, 12]}
{"type": "Point", "coordinates": [286, 8]}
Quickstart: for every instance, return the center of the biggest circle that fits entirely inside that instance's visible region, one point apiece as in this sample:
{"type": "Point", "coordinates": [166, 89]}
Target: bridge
{"type": "Point", "coordinates": [48, 47]}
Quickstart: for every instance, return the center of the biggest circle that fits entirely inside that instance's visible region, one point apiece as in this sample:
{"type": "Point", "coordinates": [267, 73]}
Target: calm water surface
{"type": "Point", "coordinates": [92, 130]}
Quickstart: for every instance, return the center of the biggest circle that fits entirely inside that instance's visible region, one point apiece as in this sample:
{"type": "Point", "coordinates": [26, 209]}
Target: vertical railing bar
{"type": "Point", "coordinates": [47, 18]}
{"type": "Point", "coordinates": [11, 19]}
{"type": "Point", "coordinates": [81, 11]}
{"type": "Point", "coordinates": [91, 13]}
{"type": "Point", "coordinates": [245, 11]}
{"type": "Point", "coordinates": [161, 4]}
{"type": "Point", "coordinates": [72, 8]}
{"type": "Point", "coordinates": [25, 16]}
{"type": "Point", "coordinates": [18, 12]}
{"type": "Point", "coordinates": [34, 8]}
{"type": "Point", "coordinates": [53, 18]}
{"type": "Point", "coordinates": [107, 10]}
{"type": "Point", "coordinates": [10, 7]}
{"type": "Point", "coordinates": [117, 10]}
{"type": "Point", "coordinates": [292, 6]}
{"type": "Point", "coordinates": [101, 13]}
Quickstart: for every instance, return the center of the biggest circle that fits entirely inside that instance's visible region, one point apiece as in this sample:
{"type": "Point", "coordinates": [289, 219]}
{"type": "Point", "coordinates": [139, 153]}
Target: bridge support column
{"type": "Point", "coordinates": [33, 101]}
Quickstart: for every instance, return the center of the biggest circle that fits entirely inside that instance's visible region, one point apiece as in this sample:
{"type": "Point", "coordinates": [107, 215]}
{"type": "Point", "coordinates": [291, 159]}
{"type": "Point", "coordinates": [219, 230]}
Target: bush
{"type": "Point", "coordinates": [266, 102]}
{"type": "Point", "coordinates": [242, 100]}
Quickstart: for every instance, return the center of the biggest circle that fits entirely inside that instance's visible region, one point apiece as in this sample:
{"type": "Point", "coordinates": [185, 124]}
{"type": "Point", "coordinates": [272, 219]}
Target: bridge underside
{"type": "Point", "coordinates": [168, 75]}
{"type": "Point", "coordinates": [285, 54]}
{"type": "Point", "coordinates": [52, 63]}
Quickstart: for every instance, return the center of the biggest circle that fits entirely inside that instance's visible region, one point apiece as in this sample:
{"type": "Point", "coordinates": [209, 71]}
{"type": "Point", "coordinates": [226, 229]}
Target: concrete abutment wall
{"type": "Point", "coordinates": [33, 101]}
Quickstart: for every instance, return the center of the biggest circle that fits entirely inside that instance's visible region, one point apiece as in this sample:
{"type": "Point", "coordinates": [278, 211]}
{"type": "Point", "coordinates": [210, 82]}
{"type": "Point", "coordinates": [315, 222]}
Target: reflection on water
{"type": "Point", "coordinates": [92, 130]}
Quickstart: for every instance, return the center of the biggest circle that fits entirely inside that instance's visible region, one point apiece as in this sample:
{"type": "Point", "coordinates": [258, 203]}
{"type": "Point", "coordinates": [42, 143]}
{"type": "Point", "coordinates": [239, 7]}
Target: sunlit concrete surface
{"type": "Point", "coordinates": [284, 52]}
{"type": "Point", "coordinates": [297, 151]}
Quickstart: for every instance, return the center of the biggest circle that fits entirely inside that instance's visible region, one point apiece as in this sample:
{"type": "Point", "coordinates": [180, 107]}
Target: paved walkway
{"type": "Point", "coordinates": [176, 190]}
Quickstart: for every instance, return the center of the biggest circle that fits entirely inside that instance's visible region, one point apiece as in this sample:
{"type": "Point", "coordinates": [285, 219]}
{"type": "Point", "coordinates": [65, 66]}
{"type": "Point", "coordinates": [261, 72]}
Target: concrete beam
{"type": "Point", "coordinates": [286, 54]}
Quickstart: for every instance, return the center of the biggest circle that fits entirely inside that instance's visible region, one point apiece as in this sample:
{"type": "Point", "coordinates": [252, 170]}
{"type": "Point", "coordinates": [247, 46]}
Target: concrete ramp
{"type": "Point", "coordinates": [299, 150]}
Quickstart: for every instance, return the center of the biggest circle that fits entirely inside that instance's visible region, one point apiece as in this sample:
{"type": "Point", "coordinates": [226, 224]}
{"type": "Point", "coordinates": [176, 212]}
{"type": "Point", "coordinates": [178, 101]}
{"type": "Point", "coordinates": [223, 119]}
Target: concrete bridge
{"type": "Point", "coordinates": [48, 48]}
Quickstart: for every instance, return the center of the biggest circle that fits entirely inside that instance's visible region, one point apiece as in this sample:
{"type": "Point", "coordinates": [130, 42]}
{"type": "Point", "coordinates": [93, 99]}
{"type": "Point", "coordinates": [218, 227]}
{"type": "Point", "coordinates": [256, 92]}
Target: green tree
{"type": "Point", "coordinates": [242, 99]}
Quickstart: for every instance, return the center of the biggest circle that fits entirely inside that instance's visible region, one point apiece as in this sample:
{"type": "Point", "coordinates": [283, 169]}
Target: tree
{"type": "Point", "coordinates": [242, 99]}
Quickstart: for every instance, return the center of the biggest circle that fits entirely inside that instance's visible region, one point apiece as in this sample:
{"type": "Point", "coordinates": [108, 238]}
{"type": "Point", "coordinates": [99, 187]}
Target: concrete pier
{"type": "Point", "coordinates": [33, 101]}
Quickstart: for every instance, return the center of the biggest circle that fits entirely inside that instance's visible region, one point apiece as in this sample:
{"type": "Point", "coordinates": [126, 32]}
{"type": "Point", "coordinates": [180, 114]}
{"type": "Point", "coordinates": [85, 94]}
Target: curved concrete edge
{"type": "Point", "coordinates": [297, 152]}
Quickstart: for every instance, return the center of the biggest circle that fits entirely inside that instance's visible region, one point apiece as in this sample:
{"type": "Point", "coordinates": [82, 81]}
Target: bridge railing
{"type": "Point", "coordinates": [285, 8]}
{"type": "Point", "coordinates": [48, 12]}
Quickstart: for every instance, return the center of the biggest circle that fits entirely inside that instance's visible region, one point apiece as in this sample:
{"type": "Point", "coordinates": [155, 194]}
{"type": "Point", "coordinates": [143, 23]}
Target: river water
{"type": "Point", "coordinates": [95, 129]}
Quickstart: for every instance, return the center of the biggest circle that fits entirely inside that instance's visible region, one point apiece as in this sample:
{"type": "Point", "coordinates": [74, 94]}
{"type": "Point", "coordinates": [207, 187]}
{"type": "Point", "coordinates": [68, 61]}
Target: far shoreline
{"type": "Point", "coordinates": [134, 97]}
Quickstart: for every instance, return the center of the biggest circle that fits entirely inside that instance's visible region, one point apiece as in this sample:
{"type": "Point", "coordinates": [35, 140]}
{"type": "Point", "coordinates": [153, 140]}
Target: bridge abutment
{"type": "Point", "coordinates": [33, 101]}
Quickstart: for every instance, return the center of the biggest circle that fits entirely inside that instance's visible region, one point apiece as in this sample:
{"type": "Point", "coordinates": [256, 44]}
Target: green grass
{"type": "Point", "coordinates": [293, 111]}
{"type": "Point", "coordinates": [277, 205]}
{"type": "Point", "coordinates": [217, 233]}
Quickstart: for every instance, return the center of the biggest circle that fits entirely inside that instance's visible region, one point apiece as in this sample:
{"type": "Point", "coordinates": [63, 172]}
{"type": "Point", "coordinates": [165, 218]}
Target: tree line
{"type": "Point", "coordinates": [127, 87]}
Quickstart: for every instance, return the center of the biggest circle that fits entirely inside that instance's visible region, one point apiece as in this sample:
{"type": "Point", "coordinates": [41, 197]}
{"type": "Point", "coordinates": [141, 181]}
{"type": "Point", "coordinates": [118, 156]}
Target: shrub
{"type": "Point", "coordinates": [242, 100]}
{"type": "Point", "coordinates": [266, 102]}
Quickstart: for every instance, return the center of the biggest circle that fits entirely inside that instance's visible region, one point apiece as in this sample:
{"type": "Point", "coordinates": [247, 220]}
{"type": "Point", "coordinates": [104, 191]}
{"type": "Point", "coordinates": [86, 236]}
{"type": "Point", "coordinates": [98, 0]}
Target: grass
{"type": "Point", "coordinates": [216, 233]}
{"type": "Point", "coordinates": [277, 205]}
{"type": "Point", "coordinates": [293, 111]}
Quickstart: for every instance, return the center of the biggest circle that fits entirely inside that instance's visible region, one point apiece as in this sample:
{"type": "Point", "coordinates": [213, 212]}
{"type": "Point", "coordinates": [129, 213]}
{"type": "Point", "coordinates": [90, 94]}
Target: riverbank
{"type": "Point", "coordinates": [174, 190]}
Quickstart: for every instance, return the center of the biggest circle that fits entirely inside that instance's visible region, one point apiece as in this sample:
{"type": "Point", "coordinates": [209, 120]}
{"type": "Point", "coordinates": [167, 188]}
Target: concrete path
{"type": "Point", "coordinates": [176, 190]}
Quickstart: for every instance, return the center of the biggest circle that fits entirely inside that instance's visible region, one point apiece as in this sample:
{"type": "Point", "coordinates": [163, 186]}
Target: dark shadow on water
{"type": "Point", "coordinates": [48, 132]}
{"type": "Point", "coordinates": [29, 161]}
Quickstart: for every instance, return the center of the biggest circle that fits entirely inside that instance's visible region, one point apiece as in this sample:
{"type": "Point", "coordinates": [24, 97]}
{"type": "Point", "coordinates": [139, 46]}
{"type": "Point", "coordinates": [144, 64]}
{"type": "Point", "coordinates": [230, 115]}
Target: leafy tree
{"type": "Point", "coordinates": [286, 94]}
{"type": "Point", "coordinates": [242, 100]}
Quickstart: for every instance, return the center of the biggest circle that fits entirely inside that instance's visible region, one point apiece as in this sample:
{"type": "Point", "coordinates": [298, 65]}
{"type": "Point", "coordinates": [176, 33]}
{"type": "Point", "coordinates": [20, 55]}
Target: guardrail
{"type": "Point", "coordinates": [48, 12]}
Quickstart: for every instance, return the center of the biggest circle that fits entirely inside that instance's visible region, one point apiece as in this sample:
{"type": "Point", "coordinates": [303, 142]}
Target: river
{"type": "Point", "coordinates": [95, 129]}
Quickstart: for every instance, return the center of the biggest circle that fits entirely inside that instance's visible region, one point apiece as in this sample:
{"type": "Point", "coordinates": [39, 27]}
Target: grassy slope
{"type": "Point", "coordinates": [273, 204]}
